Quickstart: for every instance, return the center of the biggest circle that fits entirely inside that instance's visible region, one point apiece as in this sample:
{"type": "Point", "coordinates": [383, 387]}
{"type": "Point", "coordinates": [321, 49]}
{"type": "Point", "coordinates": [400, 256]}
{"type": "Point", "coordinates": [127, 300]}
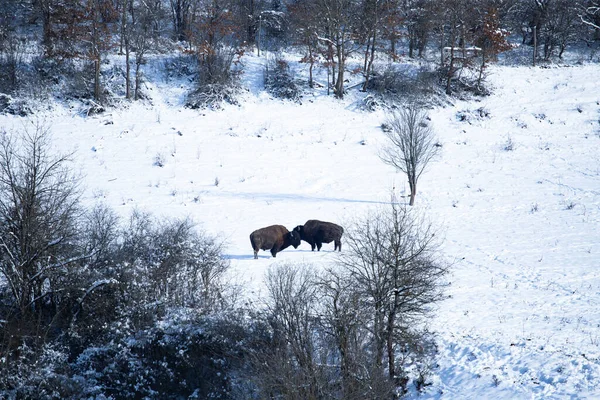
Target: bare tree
{"type": "Point", "coordinates": [306, 28]}
{"type": "Point", "coordinates": [419, 18]}
{"type": "Point", "coordinates": [39, 199]}
{"type": "Point", "coordinates": [180, 10]}
{"type": "Point", "coordinates": [589, 13]}
{"type": "Point", "coordinates": [456, 17]}
{"type": "Point", "coordinates": [141, 37]}
{"type": "Point", "coordinates": [338, 21]}
{"type": "Point", "coordinates": [293, 296]}
{"type": "Point", "coordinates": [393, 262]}
{"type": "Point", "coordinates": [346, 321]}
{"type": "Point", "coordinates": [411, 145]}
{"type": "Point", "coordinates": [287, 368]}
{"type": "Point", "coordinates": [12, 49]}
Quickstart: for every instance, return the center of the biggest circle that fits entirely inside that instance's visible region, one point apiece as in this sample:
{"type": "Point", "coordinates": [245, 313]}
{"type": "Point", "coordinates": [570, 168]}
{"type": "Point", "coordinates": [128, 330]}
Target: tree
{"type": "Point", "coordinates": [492, 40]}
{"type": "Point", "coordinates": [589, 13]}
{"type": "Point", "coordinates": [345, 318]}
{"type": "Point", "coordinates": [369, 26]}
{"type": "Point", "coordinates": [39, 209]}
{"type": "Point", "coordinates": [339, 20]}
{"type": "Point", "coordinates": [306, 34]}
{"type": "Point", "coordinates": [456, 17]}
{"type": "Point", "coordinates": [181, 10]}
{"type": "Point", "coordinates": [138, 37]}
{"type": "Point", "coordinates": [288, 368]}
{"type": "Point", "coordinates": [391, 25]}
{"type": "Point", "coordinates": [563, 27]}
{"type": "Point", "coordinates": [80, 30]}
{"type": "Point", "coordinates": [411, 145]}
{"type": "Point", "coordinates": [394, 267]}
{"type": "Point", "coordinates": [419, 18]}
{"type": "Point", "coordinates": [215, 36]}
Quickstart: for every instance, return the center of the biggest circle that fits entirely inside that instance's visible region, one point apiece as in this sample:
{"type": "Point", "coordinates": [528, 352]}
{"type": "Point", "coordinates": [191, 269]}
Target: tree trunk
{"type": "Point", "coordinates": [534, 45]}
{"type": "Point", "coordinates": [481, 68]}
{"type": "Point", "coordinates": [136, 93]}
{"type": "Point", "coordinates": [450, 73]}
{"type": "Point", "coordinates": [413, 191]}
{"type": "Point", "coordinates": [123, 27]}
{"type": "Point", "coordinates": [310, 68]}
{"type": "Point", "coordinates": [127, 70]}
{"type": "Point", "coordinates": [451, 66]}
{"type": "Point", "coordinates": [442, 61]}
{"type": "Point", "coordinates": [339, 84]}
{"type": "Point", "coordinates": [378, 333]}
{"type": "Point", "coordinates": [332, 67]}
{"type": "Point", "coordinates": [46, 26]}
{"type": "Point", "coordinates": [97, 77]}
{"type": "Point", "coordinates": [369, 65]}
{"type": "Point", "coordinates": [366, 60]}
{"type": "Point", "coordinates": [390, 346]}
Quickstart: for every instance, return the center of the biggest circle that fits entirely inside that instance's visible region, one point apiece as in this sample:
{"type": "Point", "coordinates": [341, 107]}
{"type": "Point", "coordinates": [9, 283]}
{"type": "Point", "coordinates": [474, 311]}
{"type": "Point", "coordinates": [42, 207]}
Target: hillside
{"type": "Point", "coordinates": [515, 191]}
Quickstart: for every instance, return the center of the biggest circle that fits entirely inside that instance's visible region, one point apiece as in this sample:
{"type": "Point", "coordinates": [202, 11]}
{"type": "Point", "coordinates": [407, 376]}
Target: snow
{"type": "Point", "coordinates": [521, 226]}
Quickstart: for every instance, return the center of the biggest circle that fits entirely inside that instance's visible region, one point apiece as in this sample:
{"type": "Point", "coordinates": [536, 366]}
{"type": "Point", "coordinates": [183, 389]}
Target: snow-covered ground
{"type": "Point", "coordinates": [515, 190]}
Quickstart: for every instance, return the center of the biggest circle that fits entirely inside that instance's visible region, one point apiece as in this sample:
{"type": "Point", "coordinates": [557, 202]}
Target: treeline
{"type": "Point", "coordinates": [64, 43]}
{"type": "Point", "coordinates": [96, 306]}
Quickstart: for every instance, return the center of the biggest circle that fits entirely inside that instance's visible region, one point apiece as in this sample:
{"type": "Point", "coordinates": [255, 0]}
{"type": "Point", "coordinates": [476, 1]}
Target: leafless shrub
{"type": "Point", "coordinates": [159, 160]}
{"type": "Point", "coordinates": [509, 145]}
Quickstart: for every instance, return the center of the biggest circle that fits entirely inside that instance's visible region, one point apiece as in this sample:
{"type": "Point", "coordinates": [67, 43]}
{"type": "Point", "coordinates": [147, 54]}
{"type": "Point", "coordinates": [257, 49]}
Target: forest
{"type": "Point", "coordinates": [58, 47]}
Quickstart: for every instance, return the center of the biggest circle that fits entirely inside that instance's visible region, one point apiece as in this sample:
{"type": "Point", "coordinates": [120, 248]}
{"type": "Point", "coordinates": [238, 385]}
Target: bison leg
{"type": "Point", "coordinates": [338, 245]}
{"type": "Point", "coordinates": [255, 254]}
{"type": "Point", "coordinates": [274, 252]}
{"type": "Point", "coordinates": [319, 244]}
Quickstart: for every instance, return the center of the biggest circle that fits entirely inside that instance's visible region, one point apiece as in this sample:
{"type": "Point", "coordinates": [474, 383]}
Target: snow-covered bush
{"type": "Point", "coordinates": [42, 373]}
{"type": "Point", "coordinates": [466, 81]}
{"type": "Point", "coordinates": [15, 106]}
{"type": "Point", "coordinates": [151, 324]}
{"type": "Point", "coordinates": [217, 82]}
{"type": "Point", "coordinates": [90, 307]}
{"type": "Point", "coordinates": [213, 95]}
{"type": "Point", "coordinates": [406, 84]}
{"type": "Point", "coordinates": [183, 65]}
{"type": "Point", "coordinates": [471, 116]}
{"type": "Point", "coordinates": [279, 81]}
{"type": "Point", "coordinates": [180, 356]}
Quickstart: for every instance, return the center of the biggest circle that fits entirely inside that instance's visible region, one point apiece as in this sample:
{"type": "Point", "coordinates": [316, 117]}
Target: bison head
{"type": "Point", "coordinates": [294, 239]}
{"type": "Point", "coordinates": [299, 230]}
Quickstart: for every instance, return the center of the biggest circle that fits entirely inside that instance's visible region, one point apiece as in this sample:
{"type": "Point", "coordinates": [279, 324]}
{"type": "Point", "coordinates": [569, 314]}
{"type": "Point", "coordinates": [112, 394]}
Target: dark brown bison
{"type": "Point", "coordinates": [274, 238]}
{"type": "Point", "coordinates": [316, 233]}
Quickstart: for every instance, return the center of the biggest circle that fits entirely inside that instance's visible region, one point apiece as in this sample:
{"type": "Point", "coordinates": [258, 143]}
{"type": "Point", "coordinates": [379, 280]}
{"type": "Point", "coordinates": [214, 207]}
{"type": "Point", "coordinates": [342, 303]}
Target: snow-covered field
{"type": "Point", "coordinates": [515, 190]}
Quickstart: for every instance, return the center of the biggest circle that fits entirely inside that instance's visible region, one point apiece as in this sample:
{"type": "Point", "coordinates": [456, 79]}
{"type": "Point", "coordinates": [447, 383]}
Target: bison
{"type": "Point", "coordinates": [274, 238]}
{"type": "Point", "coordinates": [316, 233]}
